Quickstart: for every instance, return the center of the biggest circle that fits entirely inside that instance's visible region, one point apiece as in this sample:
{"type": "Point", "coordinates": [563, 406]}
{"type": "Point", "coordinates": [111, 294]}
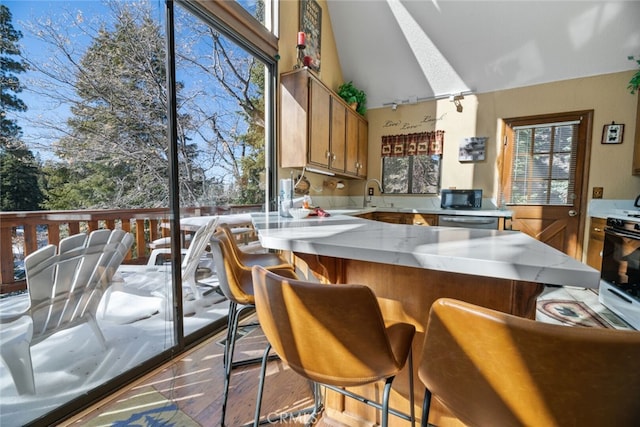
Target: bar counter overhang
{"type": "Point", "coordinates": [409, 267]}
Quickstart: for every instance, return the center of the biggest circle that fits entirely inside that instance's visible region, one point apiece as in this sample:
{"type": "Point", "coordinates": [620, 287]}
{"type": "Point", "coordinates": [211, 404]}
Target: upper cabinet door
{"type": "Point", "coordinates": [338, 134]}
{"type": "Point", "coordinates": [319, 119]}
{"type": "Point", "coordinates": [363, 148]}
{"type": "Point", "coordinates": [352, 143]}
{"type": "Point", "coordinates": [636, 148]}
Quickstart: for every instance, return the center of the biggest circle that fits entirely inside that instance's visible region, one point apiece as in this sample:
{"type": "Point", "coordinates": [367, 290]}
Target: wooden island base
{"type": "Point", "coordinates": [406, 294]}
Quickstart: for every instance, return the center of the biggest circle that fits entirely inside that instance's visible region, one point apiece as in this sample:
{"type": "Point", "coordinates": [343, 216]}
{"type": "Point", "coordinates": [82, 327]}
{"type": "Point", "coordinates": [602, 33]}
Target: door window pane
{"type": "Point", "coordinates": [543, 164]}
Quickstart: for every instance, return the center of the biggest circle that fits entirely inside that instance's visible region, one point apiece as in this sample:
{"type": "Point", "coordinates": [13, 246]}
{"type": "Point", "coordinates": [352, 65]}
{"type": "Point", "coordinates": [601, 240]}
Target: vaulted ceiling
{"type": "Point", "coordinates": [410, 50]}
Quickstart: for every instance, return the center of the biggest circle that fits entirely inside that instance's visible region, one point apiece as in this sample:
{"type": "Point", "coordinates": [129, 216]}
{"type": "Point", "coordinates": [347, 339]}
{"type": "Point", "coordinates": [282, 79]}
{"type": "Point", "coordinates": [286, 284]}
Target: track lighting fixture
{"type": "Point", "coordinates": [456, 101]}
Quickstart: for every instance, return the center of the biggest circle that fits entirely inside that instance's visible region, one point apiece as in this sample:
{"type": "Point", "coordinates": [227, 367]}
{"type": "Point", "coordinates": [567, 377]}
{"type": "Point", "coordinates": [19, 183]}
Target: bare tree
{"type": "Point", "coordinates": [114, 139]}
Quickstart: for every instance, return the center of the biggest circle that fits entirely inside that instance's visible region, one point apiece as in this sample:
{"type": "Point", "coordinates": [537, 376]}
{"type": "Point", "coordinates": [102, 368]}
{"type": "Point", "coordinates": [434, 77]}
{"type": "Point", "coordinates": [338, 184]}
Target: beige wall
{"type": "Point", "coordinates": [606, 94]}
{"type": "Point", "coordinates": [482, 114]}
{"type": "Point", "coordinates": [330, 69]}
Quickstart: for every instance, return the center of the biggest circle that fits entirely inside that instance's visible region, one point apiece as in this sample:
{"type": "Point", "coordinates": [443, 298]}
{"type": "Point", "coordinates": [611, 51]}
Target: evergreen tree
{"type": "Point", "coordinates": [19, 171]}
{"type": "Point", "coordinates": [19, 186]}
{"type": "Point", "coordinates": [9, 82]}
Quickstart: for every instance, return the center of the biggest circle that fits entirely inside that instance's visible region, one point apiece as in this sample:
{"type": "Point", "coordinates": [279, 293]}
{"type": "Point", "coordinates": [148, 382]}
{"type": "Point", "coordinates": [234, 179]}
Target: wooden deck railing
{"type": "Point", "coordinates": [27, 231]}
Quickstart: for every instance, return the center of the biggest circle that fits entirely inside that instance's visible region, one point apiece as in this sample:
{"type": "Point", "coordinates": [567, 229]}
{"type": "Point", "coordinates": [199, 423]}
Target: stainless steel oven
{"type": "Point", "coordinates": [620, 277]}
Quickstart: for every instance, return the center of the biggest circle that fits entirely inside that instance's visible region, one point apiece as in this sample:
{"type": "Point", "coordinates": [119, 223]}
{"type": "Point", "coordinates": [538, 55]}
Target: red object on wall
{"type": "Point", "coordinates": [307, 60]}
{"type": "Point", "coordinates": [302, 38]}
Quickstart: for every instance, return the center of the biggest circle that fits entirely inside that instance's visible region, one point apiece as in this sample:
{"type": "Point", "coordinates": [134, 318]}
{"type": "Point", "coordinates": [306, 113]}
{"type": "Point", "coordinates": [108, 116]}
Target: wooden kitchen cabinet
{"type": "Point", "coordinates": [357, 145]}
{"type": "Point", "coordinates": [363, 147]}
{"type": "Point", "coordinates": [402, 218]}
{"type": "Point", "coordinates": [636, 147]}
{"type": "Point", "coordinates": [390, 217]}
{"type": "Point", "coordinates": [596, 242]}
{"type": "Point", "coordinates": [318, 129]}
{"type": "Point", "coordinates": [319, 132]}
{"type": "Point", "coordinates": [424, 219]}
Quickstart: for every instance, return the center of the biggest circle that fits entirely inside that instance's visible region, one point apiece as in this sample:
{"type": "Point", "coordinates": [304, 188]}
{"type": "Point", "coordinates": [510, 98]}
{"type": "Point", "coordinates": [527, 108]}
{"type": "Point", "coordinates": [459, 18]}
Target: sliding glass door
{"type": "Point", "coordinates": [132, 116]}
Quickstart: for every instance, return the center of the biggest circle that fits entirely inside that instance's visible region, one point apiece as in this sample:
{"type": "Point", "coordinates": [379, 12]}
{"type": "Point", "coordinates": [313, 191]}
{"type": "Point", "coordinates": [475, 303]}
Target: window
{"type": "Point", "coordinates": [101, 99]}
{"type": "Point", "coordinates": [411, 163]}
{"type": "Point", "coordinates": [220, 115]}
{"type": "Point", "coordinates": [544, 162]}
{"type": "Point", "coordinates": [411, 174]}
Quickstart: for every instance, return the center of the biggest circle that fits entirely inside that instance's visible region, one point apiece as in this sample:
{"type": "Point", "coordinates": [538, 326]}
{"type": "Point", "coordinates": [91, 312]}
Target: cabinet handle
{"type": "Point", "coordinates": [333, 157]}
{"type": "Point", "coordinates": [598, 229]}
{"type": "Point", "coordinates": [328, 154]}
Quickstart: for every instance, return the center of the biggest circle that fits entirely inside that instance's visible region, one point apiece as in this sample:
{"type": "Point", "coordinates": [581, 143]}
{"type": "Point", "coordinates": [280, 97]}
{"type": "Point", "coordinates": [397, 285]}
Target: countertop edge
{"type": "Point", "coordinates": [434, 248]}
{"type": "Point", "coordinates": [389, 209]}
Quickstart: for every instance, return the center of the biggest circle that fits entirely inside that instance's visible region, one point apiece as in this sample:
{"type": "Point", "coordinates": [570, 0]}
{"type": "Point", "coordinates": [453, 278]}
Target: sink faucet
{"type": "Point", "coordinates": [366, 185]}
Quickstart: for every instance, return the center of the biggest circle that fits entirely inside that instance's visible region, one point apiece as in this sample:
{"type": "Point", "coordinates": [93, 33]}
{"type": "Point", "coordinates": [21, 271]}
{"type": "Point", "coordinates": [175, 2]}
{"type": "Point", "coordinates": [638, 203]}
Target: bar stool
{"type": "Point", "coordinates": [333, 335]}
{"type": "Point", "coordinates": [494, 369]}
{"type": "Point", "coordinates": [236, 283]}
{"type": "Point", "coordinates": [249, 259]}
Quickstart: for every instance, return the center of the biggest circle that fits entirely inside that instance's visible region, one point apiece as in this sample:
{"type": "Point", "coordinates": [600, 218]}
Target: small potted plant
{"type": "Point", "coordinates": [353, 96]}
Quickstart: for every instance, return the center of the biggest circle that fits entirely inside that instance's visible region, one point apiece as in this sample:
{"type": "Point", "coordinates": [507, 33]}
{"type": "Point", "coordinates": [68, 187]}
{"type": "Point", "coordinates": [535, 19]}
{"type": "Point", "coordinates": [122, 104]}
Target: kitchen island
{"type": "Point", "coordinates": [409, 267]}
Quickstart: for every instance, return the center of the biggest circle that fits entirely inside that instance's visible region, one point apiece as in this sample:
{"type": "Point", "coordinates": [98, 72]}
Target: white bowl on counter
{"type": "Point", "coordinates": [299, 213]}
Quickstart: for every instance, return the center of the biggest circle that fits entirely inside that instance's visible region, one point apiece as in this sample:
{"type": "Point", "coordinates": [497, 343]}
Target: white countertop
{"type": "Point", "coordinates": [612, 208]}
{"type": "Point", "coordinates": [434, 211]}
{"type": "Point", "coordinates": [502, 254]}
{"type": "Point", "coordinates": [424, 205]}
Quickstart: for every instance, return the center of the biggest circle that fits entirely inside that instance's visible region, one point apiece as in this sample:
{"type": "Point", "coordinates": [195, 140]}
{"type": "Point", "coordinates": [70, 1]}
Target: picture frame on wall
{"type": "Point", "coordinates": [613, 133]}
{"type": "Point", "coordinates": [311, 25]}
{"type": "Point", "coordinates": [472, 149]}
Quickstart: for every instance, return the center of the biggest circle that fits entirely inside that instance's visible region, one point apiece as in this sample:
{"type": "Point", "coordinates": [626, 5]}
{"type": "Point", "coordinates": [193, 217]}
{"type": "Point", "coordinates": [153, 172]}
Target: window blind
{"type": "Point", "coordinates": [544, 164]}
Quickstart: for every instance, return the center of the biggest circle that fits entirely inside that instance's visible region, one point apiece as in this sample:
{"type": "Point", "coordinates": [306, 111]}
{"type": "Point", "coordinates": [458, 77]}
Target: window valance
{"type": "Point", "coordinates": [413, 144]}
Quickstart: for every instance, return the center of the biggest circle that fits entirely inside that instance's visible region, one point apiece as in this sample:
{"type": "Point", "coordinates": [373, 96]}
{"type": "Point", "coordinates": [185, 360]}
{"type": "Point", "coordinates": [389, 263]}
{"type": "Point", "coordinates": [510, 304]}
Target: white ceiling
{"type": "Point", "coordinates": [408, 50]}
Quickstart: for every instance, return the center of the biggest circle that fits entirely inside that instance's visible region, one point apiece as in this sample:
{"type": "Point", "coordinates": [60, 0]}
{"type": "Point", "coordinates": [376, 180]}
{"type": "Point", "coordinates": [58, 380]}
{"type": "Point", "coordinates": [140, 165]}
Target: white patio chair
{"type": "Point", "coordinates": [192, 257]}
{"type": "Point", "coordinates": [64, 290]}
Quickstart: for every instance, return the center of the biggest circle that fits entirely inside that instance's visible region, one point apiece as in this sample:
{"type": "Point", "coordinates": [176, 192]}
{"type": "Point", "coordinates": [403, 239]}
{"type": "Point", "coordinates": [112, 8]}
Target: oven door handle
{"type": "Point", "coordinates": [622, 297]}
{"type": "Point", "coordinates": [468, 220]}
{"type": "Point", "coordinates": [622, 233]}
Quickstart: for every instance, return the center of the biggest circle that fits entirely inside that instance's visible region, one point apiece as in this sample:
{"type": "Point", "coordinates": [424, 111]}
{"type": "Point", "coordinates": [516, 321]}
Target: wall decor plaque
{"type": "Point", "coordinates": [472, 149]}
{"type": "Point", "coordinates": [613, 133]}
{"type": "Point", "coordinates": [311, 25]}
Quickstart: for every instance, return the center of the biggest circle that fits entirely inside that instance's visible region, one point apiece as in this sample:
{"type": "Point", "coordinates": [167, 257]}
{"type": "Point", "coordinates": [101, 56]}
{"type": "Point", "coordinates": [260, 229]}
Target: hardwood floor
{"type": "Point", "coordinates": [195, 380]}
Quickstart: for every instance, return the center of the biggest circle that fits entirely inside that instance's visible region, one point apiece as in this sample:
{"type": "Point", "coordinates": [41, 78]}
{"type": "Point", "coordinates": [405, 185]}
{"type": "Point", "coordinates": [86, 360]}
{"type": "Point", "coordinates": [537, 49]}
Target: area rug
{"type": "Point", "coordinates": [572, 313]}
{"type": "Point", "coordinates": [147, 408]}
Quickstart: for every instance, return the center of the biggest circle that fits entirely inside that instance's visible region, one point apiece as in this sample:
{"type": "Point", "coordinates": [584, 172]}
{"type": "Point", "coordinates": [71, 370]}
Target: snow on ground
{"type": "Point", "coordinates": [71, 362]}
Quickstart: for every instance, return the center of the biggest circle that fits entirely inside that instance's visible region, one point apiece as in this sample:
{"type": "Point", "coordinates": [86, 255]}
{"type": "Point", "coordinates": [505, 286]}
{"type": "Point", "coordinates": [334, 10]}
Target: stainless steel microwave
{"type": "Point", "coordinates": [460, 199]}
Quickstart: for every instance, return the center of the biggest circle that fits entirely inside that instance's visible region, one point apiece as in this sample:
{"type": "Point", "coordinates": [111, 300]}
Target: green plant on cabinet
{"type": "Point", "coordinates": [351, 95]}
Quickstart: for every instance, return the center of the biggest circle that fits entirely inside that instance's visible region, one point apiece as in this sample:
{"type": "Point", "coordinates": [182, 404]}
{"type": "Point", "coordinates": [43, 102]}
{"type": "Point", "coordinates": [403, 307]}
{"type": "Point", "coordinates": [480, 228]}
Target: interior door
{"type": "Point", "coordinates": [544, 175]}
